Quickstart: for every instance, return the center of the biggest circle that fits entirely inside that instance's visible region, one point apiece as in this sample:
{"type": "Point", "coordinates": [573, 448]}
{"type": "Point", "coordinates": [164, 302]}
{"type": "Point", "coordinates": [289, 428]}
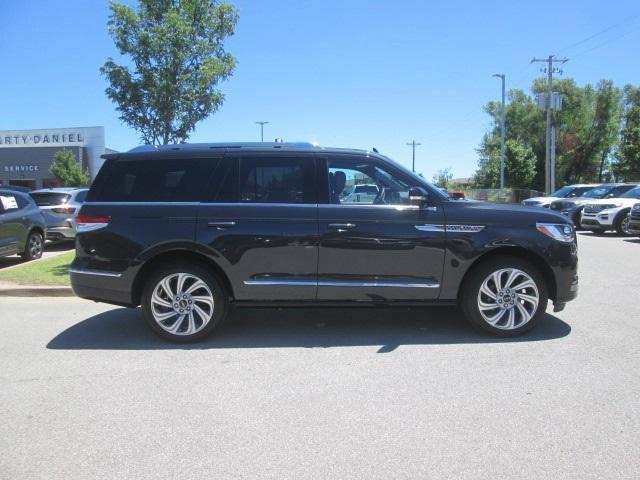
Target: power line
{"type": "Point", "coordinates": [605, 43]}
{"type": "Point", "coordinates": [609, 28]}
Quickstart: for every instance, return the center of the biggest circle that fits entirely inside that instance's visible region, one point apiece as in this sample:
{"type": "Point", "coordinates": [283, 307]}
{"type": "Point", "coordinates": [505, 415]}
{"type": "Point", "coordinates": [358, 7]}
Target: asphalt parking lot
{"type": "Point", "coordinates": [86, 391]}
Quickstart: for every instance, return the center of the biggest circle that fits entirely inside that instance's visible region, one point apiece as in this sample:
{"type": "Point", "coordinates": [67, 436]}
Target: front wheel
{"type": "Point", "coordinates": [622, 225]}
{"type": "Point", "coordinates": [34, 247]}
{"type": "Point", "coordinates": [183, 302]}
{"type": "Point", "coordinates": [505, 296]}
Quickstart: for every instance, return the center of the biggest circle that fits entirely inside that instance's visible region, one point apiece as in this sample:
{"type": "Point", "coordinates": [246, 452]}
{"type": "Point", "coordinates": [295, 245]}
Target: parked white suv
{"type": "Point", "coordinates": [610, 213]}
{"type": "Point", "coordinates": [568, 191]}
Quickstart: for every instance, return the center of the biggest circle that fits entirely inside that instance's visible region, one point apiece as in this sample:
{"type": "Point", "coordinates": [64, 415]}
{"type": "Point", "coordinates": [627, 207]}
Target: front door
{"type": "Point", "coordinates": [374, 244]}
{"type": "Point", "coordinates": [261, 223]}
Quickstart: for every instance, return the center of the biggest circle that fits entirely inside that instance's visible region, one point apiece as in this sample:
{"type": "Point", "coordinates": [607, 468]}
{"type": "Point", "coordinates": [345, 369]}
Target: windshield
{"type": "Point", "coordinates": [421, 180]}
{"type": "Point", "coordinates": [633, 193]}
{"type": "Point", "coordinates": [598, 192]}
{"type": "Point", "coordinates": [371, 189]}
{"type": "Point", "coordinates": [46, 199]}
{"type": "Point", "coordinates": [563, 192]}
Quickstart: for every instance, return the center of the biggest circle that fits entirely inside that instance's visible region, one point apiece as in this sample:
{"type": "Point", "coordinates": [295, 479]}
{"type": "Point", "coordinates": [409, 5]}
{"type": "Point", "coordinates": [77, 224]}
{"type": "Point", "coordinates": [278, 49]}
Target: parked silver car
{"type": "Point", "coordinates": [60, 207]}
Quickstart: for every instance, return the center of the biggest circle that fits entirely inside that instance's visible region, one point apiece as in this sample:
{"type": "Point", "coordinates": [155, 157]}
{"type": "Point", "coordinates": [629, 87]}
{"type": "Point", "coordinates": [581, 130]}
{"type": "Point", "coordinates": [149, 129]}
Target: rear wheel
{"type": "Point", "coordinates": [34, 247]}
{"type": "Point", "coordinates": [505, 296]}
{"type": "Point", "coordinates": [184, 302]}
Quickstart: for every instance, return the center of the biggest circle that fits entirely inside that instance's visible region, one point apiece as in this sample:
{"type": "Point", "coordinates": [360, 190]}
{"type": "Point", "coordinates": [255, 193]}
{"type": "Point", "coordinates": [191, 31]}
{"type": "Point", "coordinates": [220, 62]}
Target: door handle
{"type": "Point", "coordinates": [342, 226]}
{"type": "Point", "coordinates": [222, 224]}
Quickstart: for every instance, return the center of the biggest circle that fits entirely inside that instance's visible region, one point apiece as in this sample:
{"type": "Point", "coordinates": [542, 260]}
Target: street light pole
{"type": "Point", "coordinates": [262, 124]}
{"type": "Point", "coordinates": [414, 144]}
{"type": "Point", "coordinates": [501, 76]}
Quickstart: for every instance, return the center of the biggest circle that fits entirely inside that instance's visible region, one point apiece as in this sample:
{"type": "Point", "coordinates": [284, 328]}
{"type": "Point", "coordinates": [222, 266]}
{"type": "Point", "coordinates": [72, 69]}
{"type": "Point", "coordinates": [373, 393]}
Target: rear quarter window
{"type": "Point", "coordinates": [153, 180]}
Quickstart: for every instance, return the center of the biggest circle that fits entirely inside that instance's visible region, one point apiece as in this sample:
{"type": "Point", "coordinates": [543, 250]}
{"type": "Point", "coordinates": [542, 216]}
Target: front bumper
{"type": "Point", "coordinates": [603, 220]}
{"type": "Point", "coordinates": [634, 225]}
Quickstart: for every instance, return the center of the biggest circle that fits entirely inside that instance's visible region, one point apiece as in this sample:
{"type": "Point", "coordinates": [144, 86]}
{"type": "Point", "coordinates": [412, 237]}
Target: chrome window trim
{"type": "Point", "coordinates": [310, 283]}
{"type": "Point", "coordinates": [258, 204]}
{"type": "Point", "coordinates": [99, 273]}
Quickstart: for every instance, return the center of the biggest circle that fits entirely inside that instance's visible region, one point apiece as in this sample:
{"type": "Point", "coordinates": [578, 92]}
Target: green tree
{"type": "Point", "coordinates": [627, 158]}
{"type": "Point", "coordinates": [442, 178]}
{"type": "Point", "coordinates": [587, 130]}
{"type": "Point", "coordinates": [176, 49]}
{"type": "Point", "coordinates": [67, 171]}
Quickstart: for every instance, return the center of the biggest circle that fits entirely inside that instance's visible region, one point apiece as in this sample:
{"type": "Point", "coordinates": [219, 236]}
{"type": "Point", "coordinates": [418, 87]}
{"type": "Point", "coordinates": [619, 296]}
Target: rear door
{"type": "Point", "coordinates": [261, 223]}
{"type": "Point", "coordinates": [380, 247]}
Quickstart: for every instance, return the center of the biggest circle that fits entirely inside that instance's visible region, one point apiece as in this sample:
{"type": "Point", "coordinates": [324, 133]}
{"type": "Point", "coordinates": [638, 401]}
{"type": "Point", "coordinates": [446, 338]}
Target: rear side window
{"type": "Point", "coordinates": [81, 196]}
{"type": "Point", "coordinates": [276, 180]}
{"type": "Point", "coordinates": [48, 199]}
{"type": "Point", "coordinates": [161, 180]}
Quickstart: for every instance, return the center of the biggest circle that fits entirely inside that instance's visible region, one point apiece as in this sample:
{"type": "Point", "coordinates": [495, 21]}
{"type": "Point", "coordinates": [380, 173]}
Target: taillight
{"type": "Point", "coordinates": [66, 210]}
{"type": "Point", "coordinates": [87, 224]}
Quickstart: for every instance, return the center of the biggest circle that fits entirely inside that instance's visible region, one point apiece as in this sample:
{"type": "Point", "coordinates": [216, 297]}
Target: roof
{"type": "Point", "coordinates": [254, 146]}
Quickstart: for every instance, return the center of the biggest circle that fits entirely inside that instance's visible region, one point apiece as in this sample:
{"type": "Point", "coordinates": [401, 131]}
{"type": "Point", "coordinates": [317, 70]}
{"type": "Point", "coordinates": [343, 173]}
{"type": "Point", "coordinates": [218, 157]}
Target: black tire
{"type": "Point", "coordinates": [34, 247]}
{"type": "Point", "coordinates": [619, 223]}
{"type": "Point", "coordinates": [214, 286]}
{"type": "Point", "coordinates": [470, 295]}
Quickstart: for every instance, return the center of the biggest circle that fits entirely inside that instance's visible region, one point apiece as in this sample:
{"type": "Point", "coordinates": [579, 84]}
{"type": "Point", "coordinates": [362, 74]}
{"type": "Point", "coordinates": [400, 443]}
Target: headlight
{"type": "Point", "coordinates": [563, 232]}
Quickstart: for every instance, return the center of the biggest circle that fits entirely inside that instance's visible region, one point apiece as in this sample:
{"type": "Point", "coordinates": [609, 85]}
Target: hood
{"type": "Point", "coordinates": [538, 201]}
{"type": "Point", "coordinates": [623, 202]}
{"type": "Point", "coordinates": [499, 214]}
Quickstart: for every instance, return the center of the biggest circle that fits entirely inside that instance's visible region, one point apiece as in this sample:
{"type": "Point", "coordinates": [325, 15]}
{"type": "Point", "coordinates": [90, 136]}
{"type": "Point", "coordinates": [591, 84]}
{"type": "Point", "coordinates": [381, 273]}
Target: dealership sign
{"type": "Point", "coordinates": [45, 138]}
{"type": "Point", "coordinates": [20, 168]}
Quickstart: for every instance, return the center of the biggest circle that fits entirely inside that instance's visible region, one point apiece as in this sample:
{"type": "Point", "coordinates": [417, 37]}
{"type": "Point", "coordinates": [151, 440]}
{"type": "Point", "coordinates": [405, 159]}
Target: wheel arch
{"type": "Point", "coordinates": [536, 260]}
{"type": "Point", "coordinates": [34, 228]}
{"type": "Point", "coordinates": [181, 255]}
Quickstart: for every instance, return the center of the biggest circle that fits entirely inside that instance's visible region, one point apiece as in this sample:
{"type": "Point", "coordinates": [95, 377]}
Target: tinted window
{"type": "Point", "coordinates": [162, 180]}
{"type": "Point", "coordinates": [10, 202]}
{"type": "Point", "coordinates": [276, 180]}
{"type": "Point", "coordinates": [47, 199]}
{"type": "Point", "coordinates": [355, 182]}
{"type": "Point", "coordinates": [80, 196]}
{"type": "Point", "coordinates": [633, 193]}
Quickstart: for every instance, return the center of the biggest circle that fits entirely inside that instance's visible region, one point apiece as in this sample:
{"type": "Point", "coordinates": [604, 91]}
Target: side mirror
{"type": "Point", "coordinates": [418, 195]}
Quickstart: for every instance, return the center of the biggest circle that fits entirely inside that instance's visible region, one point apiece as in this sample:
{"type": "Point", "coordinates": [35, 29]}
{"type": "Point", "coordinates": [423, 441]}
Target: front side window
{"type": "Point", "coordinates": [353, 182]}
{"type": "Point", "coordinates": [276, 180]}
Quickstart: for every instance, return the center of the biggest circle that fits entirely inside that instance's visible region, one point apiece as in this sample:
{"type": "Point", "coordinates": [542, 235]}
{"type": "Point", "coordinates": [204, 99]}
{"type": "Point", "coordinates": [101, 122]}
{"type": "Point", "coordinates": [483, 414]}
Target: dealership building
{"type": "Point", "coordinates": [26, 156]}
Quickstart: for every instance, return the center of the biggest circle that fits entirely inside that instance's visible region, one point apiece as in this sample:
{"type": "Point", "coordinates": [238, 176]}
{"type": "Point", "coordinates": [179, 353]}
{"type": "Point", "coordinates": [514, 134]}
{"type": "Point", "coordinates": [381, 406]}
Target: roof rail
{"type": "Point", "coordinates": [201, 146]}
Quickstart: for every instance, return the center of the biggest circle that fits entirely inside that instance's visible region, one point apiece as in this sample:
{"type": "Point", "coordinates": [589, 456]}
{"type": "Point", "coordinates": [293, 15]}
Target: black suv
{"type": "Point", "coordinates": [188, 230]}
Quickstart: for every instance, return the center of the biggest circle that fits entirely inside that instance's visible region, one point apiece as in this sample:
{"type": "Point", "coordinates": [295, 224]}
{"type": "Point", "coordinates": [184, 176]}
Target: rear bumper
{"type": "Point", "coordinates": [60, 233]}
{"type": "Point", "coordinates": [101, 286]}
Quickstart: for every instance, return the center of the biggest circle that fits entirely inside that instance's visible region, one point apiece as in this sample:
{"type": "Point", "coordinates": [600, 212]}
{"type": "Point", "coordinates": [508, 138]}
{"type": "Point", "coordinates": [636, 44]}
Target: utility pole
{"type": "Point", "coordinates": [550, 70]}
{"type": "Point", "coordinates": [502, 121]}
{"type": "Point", "coordinates": [262, 124]}
{"type": "Point", "coordinates": [414, 144]}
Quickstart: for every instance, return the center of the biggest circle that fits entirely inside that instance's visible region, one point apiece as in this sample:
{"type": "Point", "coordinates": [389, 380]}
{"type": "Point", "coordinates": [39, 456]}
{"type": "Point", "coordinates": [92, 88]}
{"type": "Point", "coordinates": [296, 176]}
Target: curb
{"type": "Point", "coordinates": [35, 291]}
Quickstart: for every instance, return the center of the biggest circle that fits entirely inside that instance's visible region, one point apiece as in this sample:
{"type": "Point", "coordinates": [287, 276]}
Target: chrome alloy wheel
{"type": "Point", "coordinates": [508, 298]}
{"type": "Point", "coordinates": [35, 246]}
{"type": "Point", "coordinates": [182, 304]}
{"type": "Point", "coordinates": [625, 226]}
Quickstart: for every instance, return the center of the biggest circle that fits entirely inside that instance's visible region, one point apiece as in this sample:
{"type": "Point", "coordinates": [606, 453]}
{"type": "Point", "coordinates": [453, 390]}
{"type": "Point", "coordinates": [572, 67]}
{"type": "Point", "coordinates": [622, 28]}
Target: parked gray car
{"type": "Point", "coordinates": [60, 207]}
{"type": "Point", "coordinates": [22, 225]}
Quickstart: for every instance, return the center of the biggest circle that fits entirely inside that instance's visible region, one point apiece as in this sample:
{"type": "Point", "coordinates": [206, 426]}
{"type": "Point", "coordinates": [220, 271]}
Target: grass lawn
{"type": "Point", "coordinates": [50, 271]}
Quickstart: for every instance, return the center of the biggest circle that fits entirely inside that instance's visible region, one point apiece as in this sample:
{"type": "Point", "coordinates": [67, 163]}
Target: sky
{"type": "Point", "coordinates": [350, 73]}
